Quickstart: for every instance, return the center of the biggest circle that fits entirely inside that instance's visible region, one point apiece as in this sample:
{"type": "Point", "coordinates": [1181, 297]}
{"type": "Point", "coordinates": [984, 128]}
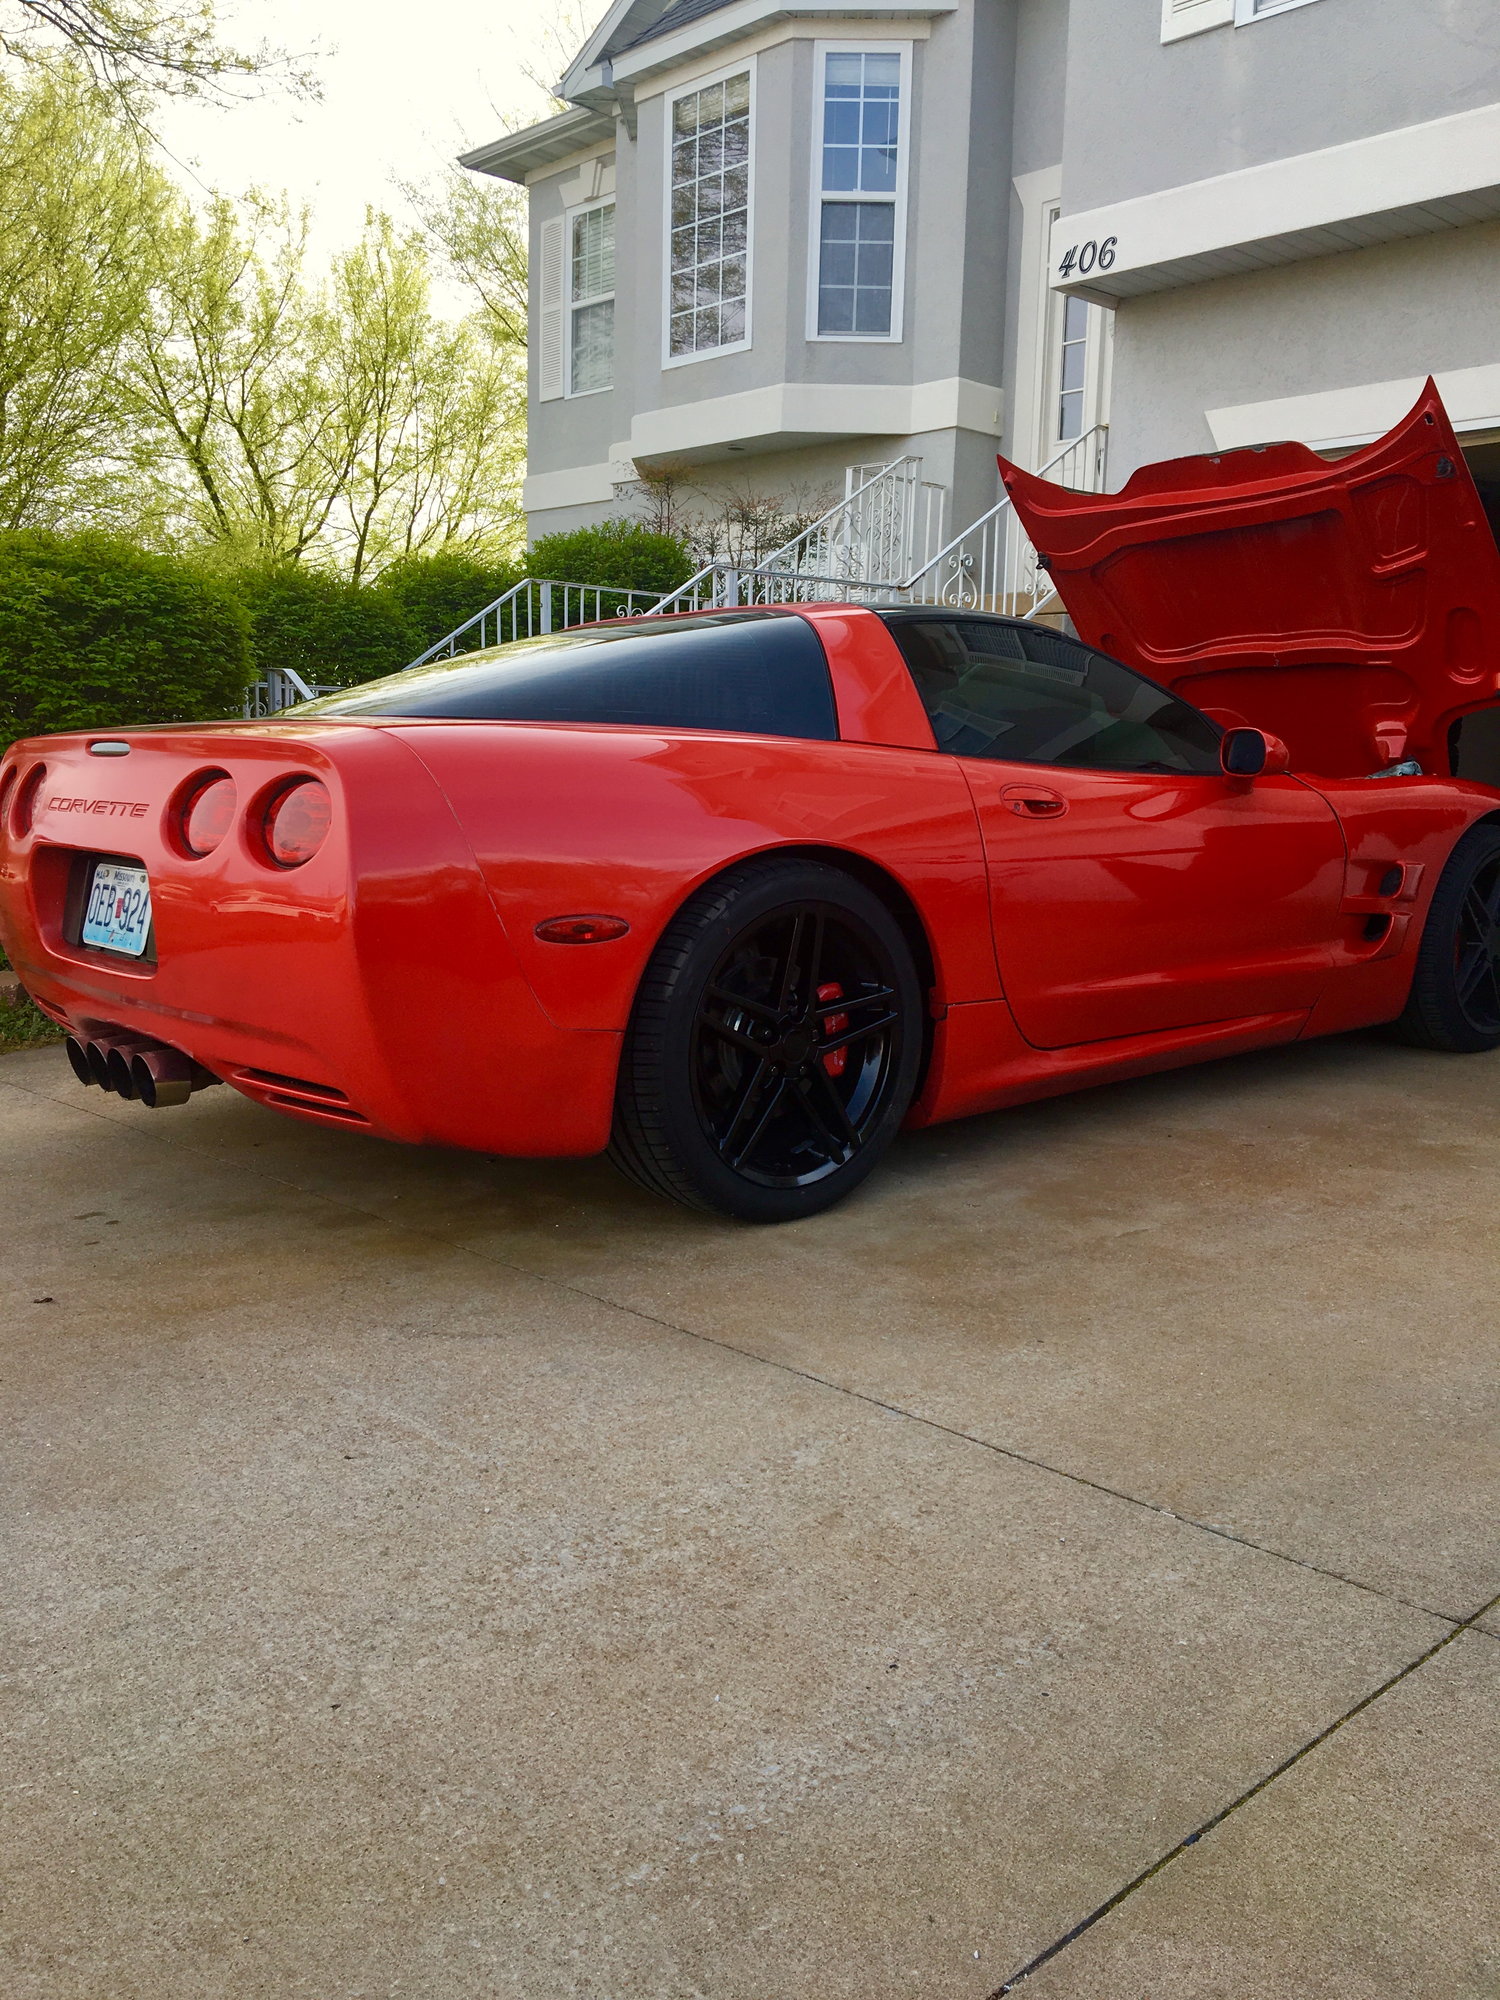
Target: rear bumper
{"type": "Point", "coordinates": [373, 989]}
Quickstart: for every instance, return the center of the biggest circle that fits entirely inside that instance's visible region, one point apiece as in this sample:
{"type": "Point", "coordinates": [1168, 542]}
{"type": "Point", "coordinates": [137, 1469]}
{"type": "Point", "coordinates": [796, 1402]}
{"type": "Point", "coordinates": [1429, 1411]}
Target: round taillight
{"type": "Point", "coordinates": [23, 812]}
{"type": "Point", "coordinates": [297, 822]}
{"type": "Point", "coordinates": [208, 815]}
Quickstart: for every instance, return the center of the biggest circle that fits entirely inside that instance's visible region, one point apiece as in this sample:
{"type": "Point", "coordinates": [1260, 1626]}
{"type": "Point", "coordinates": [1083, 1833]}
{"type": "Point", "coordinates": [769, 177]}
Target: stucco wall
{"type": "Point", "coordinates": [1421, 306]}
{"type": "Point", "coordinates": [1141, 116]}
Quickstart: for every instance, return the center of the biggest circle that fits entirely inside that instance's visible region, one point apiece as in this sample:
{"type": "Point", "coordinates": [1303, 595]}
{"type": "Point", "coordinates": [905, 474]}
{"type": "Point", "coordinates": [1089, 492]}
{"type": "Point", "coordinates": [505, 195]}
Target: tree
{"type": "Point", "coordinates": [139, 48]}
{"type": "Point", "coordinates": [235, 369]}
{"type": "Point", "coordinates": [342, 421]}
{"type": "Point", "coordinates": [479, 227]}
{"type": "Point", "coordinates": [435, 412]}
{"type": "Point", "coordinates": [81, 212]}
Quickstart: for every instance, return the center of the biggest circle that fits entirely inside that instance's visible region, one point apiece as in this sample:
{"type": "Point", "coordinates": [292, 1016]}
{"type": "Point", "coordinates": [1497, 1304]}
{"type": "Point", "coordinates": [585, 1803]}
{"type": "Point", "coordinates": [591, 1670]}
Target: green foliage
{"type": "Point", "coordinates": [331, 632]}
{"type": "Point", "coordinates": [436, 593]}
{"type": "Point", "coordinates": [189, 374]}
{"type": "Point", "coordinates": [97, 634]}
{"type": "Point", "coordinates": [617, 552]}
{"type": "Point", "coordinates": [81, 211]}
{"type": "Point", "coordinates": [22, 1026]}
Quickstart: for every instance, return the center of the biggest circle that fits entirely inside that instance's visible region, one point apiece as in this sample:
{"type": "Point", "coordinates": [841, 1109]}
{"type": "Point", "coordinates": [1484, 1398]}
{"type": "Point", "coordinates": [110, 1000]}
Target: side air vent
{"type": "Point", "coordinates": [298, 1093]}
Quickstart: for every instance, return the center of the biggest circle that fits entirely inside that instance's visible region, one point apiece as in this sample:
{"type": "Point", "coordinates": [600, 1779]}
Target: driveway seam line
{"type": "Point", "coordinates": [802, 1374]}
{"type": "Point", "coordinates": [1217, 1819]}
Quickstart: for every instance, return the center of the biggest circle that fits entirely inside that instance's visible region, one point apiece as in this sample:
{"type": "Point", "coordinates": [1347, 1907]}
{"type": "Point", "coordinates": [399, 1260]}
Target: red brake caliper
{"type": "Point", "coordinates": [833, 1026]}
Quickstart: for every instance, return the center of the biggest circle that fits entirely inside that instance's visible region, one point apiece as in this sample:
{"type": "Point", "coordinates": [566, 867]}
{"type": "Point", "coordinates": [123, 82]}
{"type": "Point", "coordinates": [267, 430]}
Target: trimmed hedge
{"type": "Point", "coordinates": [328, 631]}
{"type": "Point", "coordinates": [437, 593]}
{"type": "Point", "coordinates": [97, 634]}
{"type": "Point", "coordinates": [617, 552]}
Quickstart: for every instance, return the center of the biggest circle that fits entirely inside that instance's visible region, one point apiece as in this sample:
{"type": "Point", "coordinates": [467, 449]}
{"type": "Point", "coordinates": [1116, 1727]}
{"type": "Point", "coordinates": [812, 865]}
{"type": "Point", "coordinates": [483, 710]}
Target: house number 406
{"type": "Point", "coordinates": [1084, 257]}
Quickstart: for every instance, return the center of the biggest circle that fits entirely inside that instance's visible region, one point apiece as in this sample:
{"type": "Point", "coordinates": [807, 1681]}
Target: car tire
{"type": "Point", "coordinates": [774, 1046]}
{"type": "Point", "coordinates": [1455, 990]}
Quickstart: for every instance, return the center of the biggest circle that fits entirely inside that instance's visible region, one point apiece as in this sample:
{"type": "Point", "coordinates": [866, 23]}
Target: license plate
{"type": "Point", "coordinates": [118, 917]}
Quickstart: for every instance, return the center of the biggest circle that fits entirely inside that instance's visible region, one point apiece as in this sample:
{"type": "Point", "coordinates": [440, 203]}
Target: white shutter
{"type": "Point", "coordinates": [1191, 17]}
{"type": "Point", "coordinates": [551, 313]}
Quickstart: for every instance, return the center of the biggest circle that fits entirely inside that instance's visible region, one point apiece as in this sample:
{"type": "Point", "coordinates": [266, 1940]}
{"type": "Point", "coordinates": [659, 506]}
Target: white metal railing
{"type": "Point", "coordinates": [283, 687]}
{"type": "Point", "coordinates": [534, 606]}
{"type": "Point", "coordinates": [889, 520]}
{"type": "Point", "coordinates": [991, 566]}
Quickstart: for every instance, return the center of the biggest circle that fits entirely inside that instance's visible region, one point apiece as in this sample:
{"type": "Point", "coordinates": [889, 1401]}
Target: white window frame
{"type": "Point", "coordinates": [745, 66]}
{"type": "Point", "coordinates": [1181, 18]}
{"type": "Point", "coordinates": [1247, 13]}
{"type": "Point", "coordinates": [571, 305]}
{"type": "Point", "coordinates": [817, 194]}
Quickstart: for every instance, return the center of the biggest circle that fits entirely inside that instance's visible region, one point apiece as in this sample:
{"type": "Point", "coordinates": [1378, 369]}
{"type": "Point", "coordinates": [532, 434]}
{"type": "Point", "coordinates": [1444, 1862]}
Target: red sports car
{"type": "Point", "coordinates": [738, 895]}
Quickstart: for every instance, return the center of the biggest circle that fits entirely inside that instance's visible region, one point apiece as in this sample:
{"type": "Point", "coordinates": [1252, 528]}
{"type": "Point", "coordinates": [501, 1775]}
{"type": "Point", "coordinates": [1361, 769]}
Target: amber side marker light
{"type": "Point", "coordinates": [207, 814]}
{"type": "Point", "coordinates": [581, 930]}
{"type": "Point", "coordinates": [297, 822]}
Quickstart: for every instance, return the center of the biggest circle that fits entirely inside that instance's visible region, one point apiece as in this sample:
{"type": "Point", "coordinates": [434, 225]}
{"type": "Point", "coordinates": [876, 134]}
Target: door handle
{"type": "Point", "coordinates": [1034, 801]}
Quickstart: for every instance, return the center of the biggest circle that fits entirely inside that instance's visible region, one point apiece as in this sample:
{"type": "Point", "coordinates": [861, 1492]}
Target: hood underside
{"type": "Point", "coordinates": [1351, 608]}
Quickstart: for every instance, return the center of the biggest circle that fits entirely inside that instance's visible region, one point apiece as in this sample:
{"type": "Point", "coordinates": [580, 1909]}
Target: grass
{"type": "Point", "coordinates": [24, 1027]}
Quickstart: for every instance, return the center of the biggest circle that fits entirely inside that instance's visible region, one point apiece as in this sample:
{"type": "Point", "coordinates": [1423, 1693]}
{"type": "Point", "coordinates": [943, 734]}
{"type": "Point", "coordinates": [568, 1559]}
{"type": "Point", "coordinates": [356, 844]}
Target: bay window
{"type": "Point", "coordinates": [708, 219]}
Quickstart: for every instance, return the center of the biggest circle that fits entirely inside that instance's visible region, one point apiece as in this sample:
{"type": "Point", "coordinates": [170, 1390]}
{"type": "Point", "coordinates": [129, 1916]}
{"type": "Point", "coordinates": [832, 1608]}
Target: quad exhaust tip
{"type": "Point", "coordinates": [137, 1068]}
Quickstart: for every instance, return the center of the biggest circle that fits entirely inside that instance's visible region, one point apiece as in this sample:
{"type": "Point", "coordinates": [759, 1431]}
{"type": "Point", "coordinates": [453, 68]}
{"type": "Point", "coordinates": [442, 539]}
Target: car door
{"type": "Point", "coordinates": [1134, 887]}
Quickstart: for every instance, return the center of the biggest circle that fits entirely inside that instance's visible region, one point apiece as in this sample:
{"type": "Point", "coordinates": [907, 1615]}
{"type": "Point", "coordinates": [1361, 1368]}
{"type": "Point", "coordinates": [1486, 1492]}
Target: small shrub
{"type": "Point", "coordinates": [332, 633]}
{"type": "Point", "coordinates": [622, 553]}
{"type": "Point", "coordinates": [97, 634]}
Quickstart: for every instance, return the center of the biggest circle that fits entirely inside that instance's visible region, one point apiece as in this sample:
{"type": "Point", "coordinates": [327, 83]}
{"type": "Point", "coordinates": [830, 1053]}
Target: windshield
{"type": "Point", "coordinates": [760, 672]}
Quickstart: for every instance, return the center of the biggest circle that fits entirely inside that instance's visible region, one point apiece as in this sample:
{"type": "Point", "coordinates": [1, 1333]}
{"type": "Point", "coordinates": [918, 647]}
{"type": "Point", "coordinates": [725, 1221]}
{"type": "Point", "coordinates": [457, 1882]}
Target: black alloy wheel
{"type": "Point", "coordinates": [1455, 992]}
{"type": "Point", "coordinates": [774, 1047]}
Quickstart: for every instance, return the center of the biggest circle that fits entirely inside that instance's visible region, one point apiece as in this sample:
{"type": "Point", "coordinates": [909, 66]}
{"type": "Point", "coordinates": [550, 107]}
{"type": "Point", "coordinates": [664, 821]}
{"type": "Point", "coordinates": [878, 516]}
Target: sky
{"type": "Point", "coordinates": [405, 88]}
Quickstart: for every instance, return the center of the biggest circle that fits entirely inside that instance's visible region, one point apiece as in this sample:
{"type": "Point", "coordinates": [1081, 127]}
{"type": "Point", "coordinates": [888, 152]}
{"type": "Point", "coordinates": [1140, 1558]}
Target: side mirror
{"type": "Point", "coordinates": [1251, 753]}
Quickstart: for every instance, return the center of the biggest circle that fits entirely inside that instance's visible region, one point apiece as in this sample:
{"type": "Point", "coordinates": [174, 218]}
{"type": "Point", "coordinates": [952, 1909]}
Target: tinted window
{"type": "Point", "coordinates": [996, 688]}
{"type": "Point", "coordinates": [763, 672]}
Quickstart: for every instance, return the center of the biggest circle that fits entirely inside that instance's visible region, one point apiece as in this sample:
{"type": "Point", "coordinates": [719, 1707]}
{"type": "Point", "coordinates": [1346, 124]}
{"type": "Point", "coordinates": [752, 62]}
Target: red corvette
{"type": "Point", "coordinates": [737, 895]}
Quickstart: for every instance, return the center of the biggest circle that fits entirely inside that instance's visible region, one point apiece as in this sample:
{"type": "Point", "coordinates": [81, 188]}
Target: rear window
{"type": "Point", "coordinates": [761, 672]}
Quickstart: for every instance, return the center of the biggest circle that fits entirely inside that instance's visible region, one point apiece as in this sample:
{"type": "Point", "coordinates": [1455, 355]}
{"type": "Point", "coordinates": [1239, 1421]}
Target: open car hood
{"type": "Point", "coordinates": [1351, 608]}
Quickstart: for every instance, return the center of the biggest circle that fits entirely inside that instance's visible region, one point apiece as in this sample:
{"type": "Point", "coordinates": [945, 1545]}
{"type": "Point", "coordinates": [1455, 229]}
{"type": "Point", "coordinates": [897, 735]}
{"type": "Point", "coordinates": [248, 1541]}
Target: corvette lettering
{"type": "Point", "coordinates": [113, 808]}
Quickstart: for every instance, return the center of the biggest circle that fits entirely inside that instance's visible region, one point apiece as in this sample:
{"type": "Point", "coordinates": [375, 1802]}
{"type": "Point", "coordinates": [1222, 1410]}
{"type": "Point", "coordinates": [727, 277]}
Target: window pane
{"type": "Point", "coordinates": [593, 346]}
{"type": "Point", "coordinates": [1022, 693]}
{"type": "Point", "coordinates": [861, 114]}
{"type": "Point", "coordinates": [855, 259]}
{"type": "Point", "coordinates": [594, 253]}
{"type": "Point", "coordinates": [763, 672]}
{"type": "Point", "coordinates": [709, 207]}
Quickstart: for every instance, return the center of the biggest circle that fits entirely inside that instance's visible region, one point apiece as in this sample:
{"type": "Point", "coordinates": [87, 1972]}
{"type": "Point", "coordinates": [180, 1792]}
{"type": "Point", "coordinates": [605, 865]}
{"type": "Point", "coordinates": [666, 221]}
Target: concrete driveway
{"type": "Point", "coordinates": [439, 1577]}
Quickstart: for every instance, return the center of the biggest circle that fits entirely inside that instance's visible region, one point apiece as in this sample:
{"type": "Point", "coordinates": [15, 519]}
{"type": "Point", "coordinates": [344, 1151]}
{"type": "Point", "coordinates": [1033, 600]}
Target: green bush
{"type": "Point", "coordinates": [619, 552]}
{"type": "Point", "coordinates": [434, 594]}
{"type": "Point", "coordinates": [22, 1025]}
{"type": "Point", "coordinates": [95, 634]}
{"type": "Point", "coordinates": [330, 632]}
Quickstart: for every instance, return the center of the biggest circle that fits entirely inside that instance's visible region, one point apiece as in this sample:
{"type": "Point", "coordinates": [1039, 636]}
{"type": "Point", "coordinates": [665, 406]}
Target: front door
{"type": "Point", "coordinates": [1135, 888]}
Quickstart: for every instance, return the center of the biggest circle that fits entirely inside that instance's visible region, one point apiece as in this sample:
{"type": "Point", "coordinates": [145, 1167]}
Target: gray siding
{"type": "Point", "coordinates": [1399, 309]}
{"type": "Point", "coordinates": [1141, 117]}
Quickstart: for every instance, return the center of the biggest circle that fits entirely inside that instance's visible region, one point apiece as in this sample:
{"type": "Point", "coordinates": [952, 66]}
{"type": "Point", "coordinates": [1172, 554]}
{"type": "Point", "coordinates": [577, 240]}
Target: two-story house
{"type": "Point", "coordinates": [777, 241]}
